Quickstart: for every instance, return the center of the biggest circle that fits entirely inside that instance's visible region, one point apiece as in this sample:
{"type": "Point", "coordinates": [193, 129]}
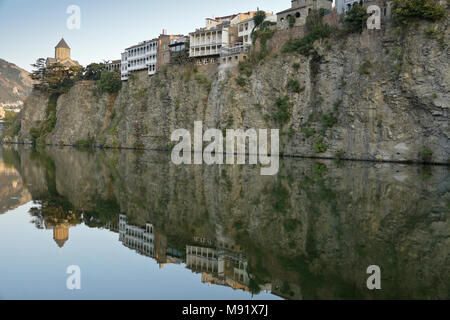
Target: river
{"type": "Point", "coordinates": [139, 227]}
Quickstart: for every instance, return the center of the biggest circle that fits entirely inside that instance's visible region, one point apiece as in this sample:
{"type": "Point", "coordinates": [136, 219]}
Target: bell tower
{"type": "Point", "coordinates": [62, 50]}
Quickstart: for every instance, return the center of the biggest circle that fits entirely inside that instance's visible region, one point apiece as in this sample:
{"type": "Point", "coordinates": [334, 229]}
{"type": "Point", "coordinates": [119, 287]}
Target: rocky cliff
{"type": "Point", "coordinates": [379, 95]}
{"type": "Point", "coordinates": [15, 83]}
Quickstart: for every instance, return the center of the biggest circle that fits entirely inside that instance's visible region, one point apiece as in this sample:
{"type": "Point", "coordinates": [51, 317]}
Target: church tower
{"type": "Point", "coordinates": [62, 50]}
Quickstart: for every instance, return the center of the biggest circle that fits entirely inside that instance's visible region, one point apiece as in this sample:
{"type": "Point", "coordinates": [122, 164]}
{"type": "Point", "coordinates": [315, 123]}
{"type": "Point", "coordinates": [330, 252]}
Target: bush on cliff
{"type": "Point", "coordinates": [316, 30]}
{"type": "Point", "coordinates": [109, 81]}
{"type": "Point", "coordinates": [355, 19]}
{"type": "Point", "coordinates": [93, 71]}
{"type": "Point", "coordinates": [405, 11]}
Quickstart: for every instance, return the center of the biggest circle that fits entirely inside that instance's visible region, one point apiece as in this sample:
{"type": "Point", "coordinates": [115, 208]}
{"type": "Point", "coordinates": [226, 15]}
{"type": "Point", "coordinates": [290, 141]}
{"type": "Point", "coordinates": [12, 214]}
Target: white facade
{"type": "Point", "coordinates": [245, 29]}
{"type": "Point", "coordinates": [136, 238]}
{"type": "Point", "coordinates": [143, 56]}
{"type": "Point", "coordinates": [208, 42]}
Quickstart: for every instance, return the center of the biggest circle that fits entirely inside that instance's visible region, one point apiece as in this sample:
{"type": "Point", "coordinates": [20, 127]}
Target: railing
{"type": "Point", "coordinates": [235, 49]}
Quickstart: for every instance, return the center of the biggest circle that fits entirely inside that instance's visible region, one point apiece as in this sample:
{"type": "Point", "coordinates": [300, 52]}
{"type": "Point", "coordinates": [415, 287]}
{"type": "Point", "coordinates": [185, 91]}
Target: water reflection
{"type": "Point", "coordinates": [308, 233]}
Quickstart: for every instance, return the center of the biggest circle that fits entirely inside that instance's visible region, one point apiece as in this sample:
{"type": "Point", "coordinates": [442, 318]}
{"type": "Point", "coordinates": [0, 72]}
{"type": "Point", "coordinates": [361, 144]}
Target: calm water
{"type": "Point", "coordinates": [141, 228]}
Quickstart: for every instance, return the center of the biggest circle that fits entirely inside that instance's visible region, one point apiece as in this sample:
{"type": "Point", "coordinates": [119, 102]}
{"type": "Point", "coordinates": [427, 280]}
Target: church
{"type": "Point", "coordinates": [62, 55]}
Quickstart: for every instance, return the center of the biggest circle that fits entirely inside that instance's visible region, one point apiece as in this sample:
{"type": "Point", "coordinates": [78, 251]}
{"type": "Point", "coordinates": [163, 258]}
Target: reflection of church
{"type": "Point", "coordinates": [60, 231]}
{"type": "Point", "coordinates": [61, 234]}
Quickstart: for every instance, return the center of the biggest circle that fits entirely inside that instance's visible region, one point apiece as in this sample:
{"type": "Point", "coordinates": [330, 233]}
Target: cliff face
{"type": "Point", "coordinates": [15, 83]}
{"type": "Point", "coordinates": [375, 96]}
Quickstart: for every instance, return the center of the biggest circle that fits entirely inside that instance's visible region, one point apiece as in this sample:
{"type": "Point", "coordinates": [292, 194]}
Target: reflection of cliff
{"type": "Point", "coordinates": [311, 231]}
{"type": "Point", "coordinates": [12, 191]}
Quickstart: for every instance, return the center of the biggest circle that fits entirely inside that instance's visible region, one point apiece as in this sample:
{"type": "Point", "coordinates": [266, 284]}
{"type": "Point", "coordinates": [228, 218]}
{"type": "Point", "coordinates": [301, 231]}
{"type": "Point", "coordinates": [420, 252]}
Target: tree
{"type": "Point", "coordinates": [110, 81]}
{"type": "Point", "coordinates": [60, 78]}
{"type": "Point", "coordinates": [259, 18]}
{"type": "Point", "coordinates": [94, 71]}
{"type": "Point", "coordinates": [406, 10]}
{"type": "Point", "coordinates": [355, 19]}
{"type": "Point", "coordinates": [39, 72]}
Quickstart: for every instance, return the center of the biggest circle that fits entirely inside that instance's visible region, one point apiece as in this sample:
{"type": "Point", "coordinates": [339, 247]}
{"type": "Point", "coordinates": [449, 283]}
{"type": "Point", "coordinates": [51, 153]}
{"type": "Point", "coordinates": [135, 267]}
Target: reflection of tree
{"type": "Point", "coordinates": [53, 211]}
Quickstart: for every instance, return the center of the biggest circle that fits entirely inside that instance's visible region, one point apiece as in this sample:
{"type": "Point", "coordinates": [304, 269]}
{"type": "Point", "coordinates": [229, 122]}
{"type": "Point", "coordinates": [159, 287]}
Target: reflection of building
{"type": "Point", "coordinates": [60, 228]}
{"type": "Point", "coordinates": [61, 234]}
{"type": "Point", "coordinates": [148, 242]}
{"type": "Point", "coordinates": [62, 55]}
{"type": "Point", "coordinates": [218, 266]}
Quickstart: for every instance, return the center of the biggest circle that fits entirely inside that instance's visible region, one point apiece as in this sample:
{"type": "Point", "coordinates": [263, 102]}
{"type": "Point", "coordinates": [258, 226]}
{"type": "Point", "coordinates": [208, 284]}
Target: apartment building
{"type": "Point", "coordinates": [148, 55]}
{"type": "Point", "coordinates": [142, 56]}
{"type": "Point", "coordinates": [246, 27]}
{"type": "Point", "coordinates": [114, 65]}
{"type": "Point", "coordinates": [207, 44]}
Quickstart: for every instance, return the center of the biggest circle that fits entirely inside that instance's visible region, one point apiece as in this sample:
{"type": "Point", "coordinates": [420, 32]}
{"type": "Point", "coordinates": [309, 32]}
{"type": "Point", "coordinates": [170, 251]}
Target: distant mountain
{"type": "Point", "coordinates": [15, 83]}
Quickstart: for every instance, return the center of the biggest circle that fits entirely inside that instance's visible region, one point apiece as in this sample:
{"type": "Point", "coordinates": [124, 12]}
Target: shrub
{"type": "Point", "coordinates": [241, 81]}
{"type": "Point", "coordinates": [200, 78]}
{"type": "Point", "coordinates": [87, 143]}
{"type": "Point", "coordinates": [365, 67]}
{"type": "Point", "coordinates": [320, 146]}
{"type": "Point", "coordinates": [308, 132]}
{"type": "Point", "coordinates": [35, 133]}
{"type": "Point", "coordinates": [294, 86]}
{"type": "Point", "coordinates": [246, 68]}
{"type": "Point", "coordinates": [259, 18]}
{"type": "Point", "coordinates": [282, 114]}
{"type": "Point", "coordinates": [339, 155]}
{"type": "Point", "coordinates": [355, 19]}
{"type": "Point", "coordinates": [296, 66]}
{"type": "Point", "coordinates": [109, 81]}
{"type": "Point", "coordinates": [405, 11]}
{"type": "Point", "coordinates": [425, 154]}
{"type": "Point", "coordinates": [291, 21]}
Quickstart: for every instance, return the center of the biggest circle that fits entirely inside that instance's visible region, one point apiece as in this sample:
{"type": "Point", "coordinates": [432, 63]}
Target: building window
{"type": "Point", "coordinates": [297, 15]}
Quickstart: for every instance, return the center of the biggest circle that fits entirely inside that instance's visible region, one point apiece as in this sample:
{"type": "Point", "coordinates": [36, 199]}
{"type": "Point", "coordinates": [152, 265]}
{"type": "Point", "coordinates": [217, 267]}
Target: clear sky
{"type": "Point", "coordinates": [30, 29]}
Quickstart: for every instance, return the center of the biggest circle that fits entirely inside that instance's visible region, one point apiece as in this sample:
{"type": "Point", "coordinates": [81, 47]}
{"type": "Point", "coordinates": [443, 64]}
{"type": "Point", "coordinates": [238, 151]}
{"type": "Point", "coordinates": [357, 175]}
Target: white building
{"type": "Point", "coordinates": [206, 44]}
{"type": "Point", "coordinates": [114, 65]}
{"type": "Point", "coordinates": [137, 238]}
{"type": "Point", "coordinates": [245, 28]}
{"type": "Point", "coordinates": [143, 56]}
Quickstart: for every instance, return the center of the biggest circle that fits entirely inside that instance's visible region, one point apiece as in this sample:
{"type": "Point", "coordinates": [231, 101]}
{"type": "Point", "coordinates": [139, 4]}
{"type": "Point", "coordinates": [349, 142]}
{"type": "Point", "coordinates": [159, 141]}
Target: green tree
{"type": "Point", "coordinates": [93, 71]}
{"type": "Point", "coordinates": [60, 78]}
{"type": "Point", "coordinates": [110, 81]}
{"type": "Point", "coordinates": [407, 10]}
{"type": "Point", "coordinates": [39, 72]}
{"type": "Point", "coordinates": [355, 19]}
{"type": "Point", "coordinates": [259, 18]}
